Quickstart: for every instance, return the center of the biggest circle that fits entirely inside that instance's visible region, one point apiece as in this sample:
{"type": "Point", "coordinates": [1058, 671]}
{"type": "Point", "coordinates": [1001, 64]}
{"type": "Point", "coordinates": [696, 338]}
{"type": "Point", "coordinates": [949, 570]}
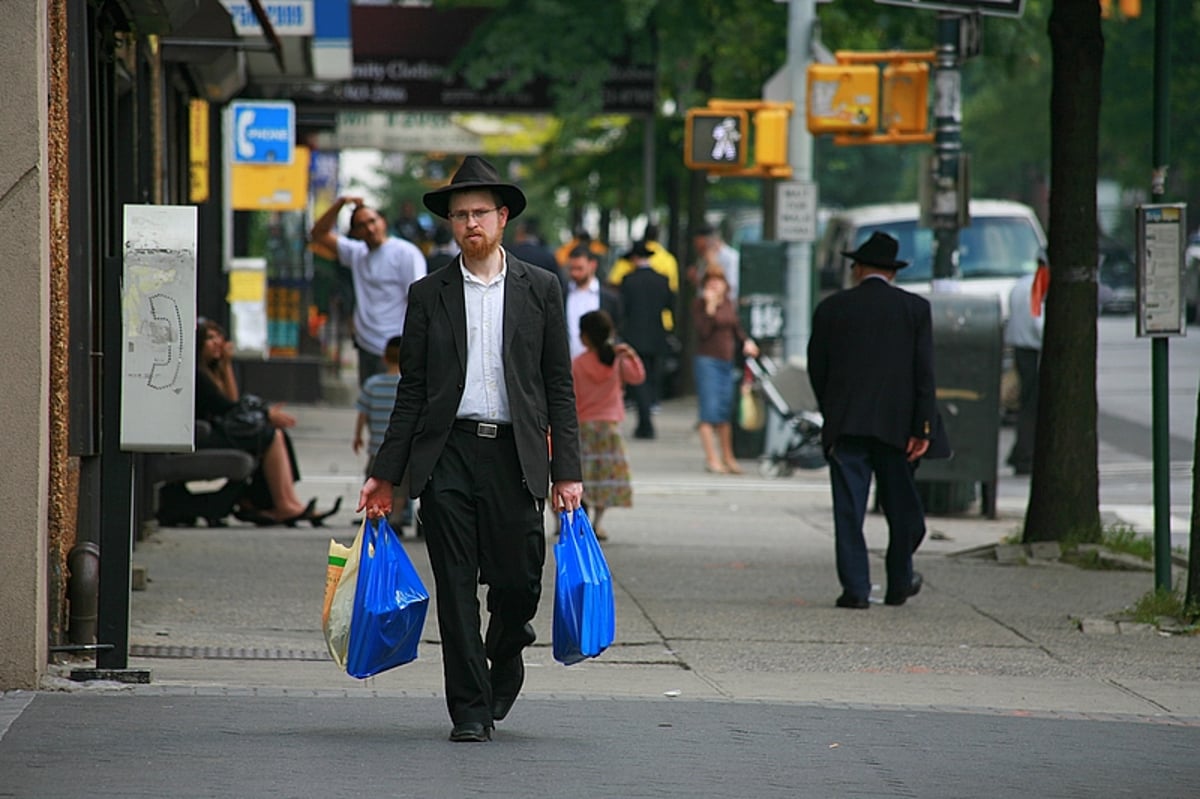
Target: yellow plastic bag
{"type": "Point", "coordinates": [341, 577]}
{"type": "Point", "coordinates": [752, 415]}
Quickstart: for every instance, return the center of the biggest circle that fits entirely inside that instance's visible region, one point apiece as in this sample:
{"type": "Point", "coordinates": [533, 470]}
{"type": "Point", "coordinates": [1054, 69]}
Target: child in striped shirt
{"type": "Point", "coordinates": [375, 402]}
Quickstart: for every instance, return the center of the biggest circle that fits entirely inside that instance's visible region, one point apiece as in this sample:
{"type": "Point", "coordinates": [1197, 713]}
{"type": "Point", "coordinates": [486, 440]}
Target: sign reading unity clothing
{"type": "Point", "coordinates": [403, 57]}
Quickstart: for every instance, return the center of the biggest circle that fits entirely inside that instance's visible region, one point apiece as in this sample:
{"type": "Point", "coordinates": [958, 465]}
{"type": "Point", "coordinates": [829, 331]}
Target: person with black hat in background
{"type": "Point", "coordinates": [870, 362]}
{"type": "Point", "coordinates": [487, 375]}
{"type": "Point", "coordinates": [645, 294]}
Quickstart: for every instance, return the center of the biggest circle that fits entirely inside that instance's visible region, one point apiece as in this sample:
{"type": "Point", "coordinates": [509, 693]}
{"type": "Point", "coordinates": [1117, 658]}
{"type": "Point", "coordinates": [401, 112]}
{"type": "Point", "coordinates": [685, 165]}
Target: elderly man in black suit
{"type": "Point", "coordinates": [870, 362]}
{"type": "Point", "coordinates": [645, 294]}
{"type": "Point", "coordinates": [487, 376]}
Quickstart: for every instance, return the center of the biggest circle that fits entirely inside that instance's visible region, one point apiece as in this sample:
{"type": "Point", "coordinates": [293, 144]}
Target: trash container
{"type": "Point", "coordinates": [967, 347]}
{"type": "Point", "coordinates": [760, 309]}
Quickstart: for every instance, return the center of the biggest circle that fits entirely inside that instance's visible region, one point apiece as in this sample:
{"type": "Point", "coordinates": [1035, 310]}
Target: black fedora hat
{"type": "Point", "coordinates": [476, 174]}
{"type": "Point", "coordinates": [638, 250]}
{"type": "Point", "coordinates": [878, 251]}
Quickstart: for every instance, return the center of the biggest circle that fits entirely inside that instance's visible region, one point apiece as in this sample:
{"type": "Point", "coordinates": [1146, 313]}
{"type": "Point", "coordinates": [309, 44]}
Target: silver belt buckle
{"type": "Point", "coordinates": [486, 430]}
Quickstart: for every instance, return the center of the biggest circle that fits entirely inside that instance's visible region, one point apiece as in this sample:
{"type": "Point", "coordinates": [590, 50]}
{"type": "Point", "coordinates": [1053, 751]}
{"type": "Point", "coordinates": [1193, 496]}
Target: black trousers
{"type": "Point", "coordinates": [1021, 456]}
{"type": "Point", "coordinates": [647, 393]}
{"type": "Point", "coordinates": [851, 463]}
{"type": "Point", "coordinates": [482, 526]}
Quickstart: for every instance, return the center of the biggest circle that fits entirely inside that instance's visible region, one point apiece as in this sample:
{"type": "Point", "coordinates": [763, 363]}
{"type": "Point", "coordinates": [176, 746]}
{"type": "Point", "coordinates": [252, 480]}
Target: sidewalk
{"type": "Point", "coordinates": [733, 674]}
{"type": "Point", "coordinates": [725, 590]}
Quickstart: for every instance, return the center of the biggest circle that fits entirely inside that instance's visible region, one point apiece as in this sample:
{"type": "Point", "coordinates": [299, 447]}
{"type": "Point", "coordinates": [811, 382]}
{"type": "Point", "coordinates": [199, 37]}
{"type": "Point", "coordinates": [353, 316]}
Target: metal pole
{"type": "Point", "coordinates": [947, 147]}
{"type": "Point", "coordinates": [1160, 413]}
{"type": "Point", "coordinates": [648, 168]}
{"type": "Point", "coordinates": [800, 296]}
{"type": "Point", "coordinates": [116, 501]}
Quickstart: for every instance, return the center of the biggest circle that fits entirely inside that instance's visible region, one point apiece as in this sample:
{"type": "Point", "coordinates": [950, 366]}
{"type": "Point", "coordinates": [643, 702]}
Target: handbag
{"type": "Point", "coordinates": [246, 424]}
{"type": "Point", "coordinates": [390, 604]}
{"type": "Point", "coordinates": [752, 413]}
{"type": "Point", "coordinates": [584, 607]}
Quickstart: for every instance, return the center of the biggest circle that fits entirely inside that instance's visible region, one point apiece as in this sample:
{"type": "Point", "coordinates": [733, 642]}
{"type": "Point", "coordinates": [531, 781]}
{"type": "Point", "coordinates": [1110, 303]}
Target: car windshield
{"type": "Point", "coordinates": [990, 247]}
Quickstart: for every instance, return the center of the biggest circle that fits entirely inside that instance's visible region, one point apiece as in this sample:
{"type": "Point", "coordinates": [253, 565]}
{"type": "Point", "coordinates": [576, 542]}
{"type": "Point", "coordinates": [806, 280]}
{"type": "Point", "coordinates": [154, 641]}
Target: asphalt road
{"type": "Point", "coordinates": [304, 747]}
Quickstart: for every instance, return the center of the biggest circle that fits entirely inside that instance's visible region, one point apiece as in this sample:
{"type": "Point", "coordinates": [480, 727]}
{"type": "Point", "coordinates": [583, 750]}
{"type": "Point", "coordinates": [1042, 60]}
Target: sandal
{"type": "Point", "coordinates": [310, 514]}
{"type": "Point", "coordinates": [255, 517]}
{"type": "Point", "coordinates": [715, 468]}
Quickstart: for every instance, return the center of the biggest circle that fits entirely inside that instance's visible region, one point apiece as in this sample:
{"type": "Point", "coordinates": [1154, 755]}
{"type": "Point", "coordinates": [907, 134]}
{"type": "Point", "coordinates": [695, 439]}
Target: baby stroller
{"type": "Point", "coordinates": [790, 396]}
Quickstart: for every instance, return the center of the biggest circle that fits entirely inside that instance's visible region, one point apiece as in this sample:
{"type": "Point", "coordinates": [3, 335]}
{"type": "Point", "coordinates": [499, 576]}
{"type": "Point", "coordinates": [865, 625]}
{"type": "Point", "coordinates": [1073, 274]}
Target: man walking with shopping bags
{"type": "Point", "coordinates": [487, 375]}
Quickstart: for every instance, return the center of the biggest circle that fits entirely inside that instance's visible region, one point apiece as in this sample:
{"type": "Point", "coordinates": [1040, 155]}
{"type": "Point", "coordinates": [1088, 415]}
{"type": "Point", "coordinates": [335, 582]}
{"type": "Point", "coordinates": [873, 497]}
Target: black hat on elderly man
{"type": "Point", "coordinates": [638, 250]}
{"type": "Point", "coordinates": [878, 251]}
{"type": "Point", "coordinates": [476, 174]}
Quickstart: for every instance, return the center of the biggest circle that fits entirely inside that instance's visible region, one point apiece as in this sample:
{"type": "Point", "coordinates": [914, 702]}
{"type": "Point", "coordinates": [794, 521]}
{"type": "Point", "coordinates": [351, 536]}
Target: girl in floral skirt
{"type": "Point", "coordinates": [601, 372]}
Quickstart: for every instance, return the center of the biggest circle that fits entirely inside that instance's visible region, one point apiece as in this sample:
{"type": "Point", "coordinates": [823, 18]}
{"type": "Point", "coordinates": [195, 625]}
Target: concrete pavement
{"type": "Point", "coordinates": [730, 661]}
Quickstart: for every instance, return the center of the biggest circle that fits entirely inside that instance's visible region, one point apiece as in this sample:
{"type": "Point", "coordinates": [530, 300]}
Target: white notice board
{"type": "Point", "coordinates": [796, 211]}
{"type": "Point", "coordinates": [1161, 231]}
{"type": "Point", "coordinates": [158, 312]}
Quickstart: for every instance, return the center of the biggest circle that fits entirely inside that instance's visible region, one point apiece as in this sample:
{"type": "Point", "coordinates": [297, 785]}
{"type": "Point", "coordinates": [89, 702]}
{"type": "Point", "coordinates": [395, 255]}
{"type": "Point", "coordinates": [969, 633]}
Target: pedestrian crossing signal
{"type": "Point", "coordinates": [715, 139]}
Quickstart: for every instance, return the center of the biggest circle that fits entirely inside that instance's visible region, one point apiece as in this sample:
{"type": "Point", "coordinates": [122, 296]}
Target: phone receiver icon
{"type": "Point", "coordinates": [166, 333]}
{"type": "Point", "coordinates": [241, 137]}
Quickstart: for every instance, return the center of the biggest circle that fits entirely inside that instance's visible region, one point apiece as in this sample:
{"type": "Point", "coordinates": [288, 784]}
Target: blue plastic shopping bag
{"type": "Point", "coordinates": [390, 603]}
{"type": "Point", "coordinates": [585, 617]}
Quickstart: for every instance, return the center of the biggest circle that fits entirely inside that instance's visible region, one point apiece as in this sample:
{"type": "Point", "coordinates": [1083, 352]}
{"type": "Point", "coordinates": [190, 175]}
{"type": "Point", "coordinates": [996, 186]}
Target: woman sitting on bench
{"type": "Point", "coordinates": [271, 498]}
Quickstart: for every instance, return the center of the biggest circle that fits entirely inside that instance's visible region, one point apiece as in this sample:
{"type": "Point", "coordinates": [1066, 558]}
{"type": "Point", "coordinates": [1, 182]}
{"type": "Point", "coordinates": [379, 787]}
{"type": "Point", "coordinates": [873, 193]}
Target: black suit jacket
{"type": "Point", "coordinates": [870, 362]}
{"type": "Point", "coordinates": [610, 303]}
{"type": "Point", "coordinates": [537, 370]}
{"type": "Point", "coordinates": [644, 295]}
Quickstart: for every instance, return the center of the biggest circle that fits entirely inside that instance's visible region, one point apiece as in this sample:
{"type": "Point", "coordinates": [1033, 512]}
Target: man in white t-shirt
{"type": "Point", "coordinates": [711, 250]}
{"type": "Point", "coordinates": [383, 267]}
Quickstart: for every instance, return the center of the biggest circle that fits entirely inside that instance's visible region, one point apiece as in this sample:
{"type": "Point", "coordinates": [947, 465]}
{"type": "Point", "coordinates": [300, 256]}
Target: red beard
{"type": "Point", "coordinates": [479, 246]}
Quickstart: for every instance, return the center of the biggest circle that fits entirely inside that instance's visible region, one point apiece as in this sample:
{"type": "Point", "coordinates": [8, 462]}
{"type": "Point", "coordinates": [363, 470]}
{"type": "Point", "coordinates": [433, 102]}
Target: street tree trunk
{"type": "Point", "coordinates": [1064, 497]}
{"type": "Point", "coordinates": [1193, 583]}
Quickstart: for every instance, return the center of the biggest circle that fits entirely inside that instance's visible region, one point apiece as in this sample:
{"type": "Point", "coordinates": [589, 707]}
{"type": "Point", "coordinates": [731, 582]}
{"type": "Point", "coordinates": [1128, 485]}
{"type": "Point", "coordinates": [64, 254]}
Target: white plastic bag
{"type": "Point", "coordinates": [341, 578]}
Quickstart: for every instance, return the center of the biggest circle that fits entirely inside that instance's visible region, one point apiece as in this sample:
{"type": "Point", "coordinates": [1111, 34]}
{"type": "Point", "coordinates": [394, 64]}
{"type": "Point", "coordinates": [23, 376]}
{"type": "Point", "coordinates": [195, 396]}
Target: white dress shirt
{"type": "Point", "coordinates": [485, 393]}
{"type": "Point", "coordinates": [580, 300]}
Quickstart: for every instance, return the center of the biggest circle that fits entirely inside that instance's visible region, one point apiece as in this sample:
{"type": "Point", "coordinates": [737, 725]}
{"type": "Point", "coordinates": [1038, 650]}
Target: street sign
{"type": "Point", "coordinates": [796, 211]}
{"type": "Point", "coordinates": [264, 132]}
{"type": "Point", "coordinates": [1161, 233]}
{"type": "Point", "coordinates": [287, 17]}
{"type": "Point", "coordinates": [989, 8]}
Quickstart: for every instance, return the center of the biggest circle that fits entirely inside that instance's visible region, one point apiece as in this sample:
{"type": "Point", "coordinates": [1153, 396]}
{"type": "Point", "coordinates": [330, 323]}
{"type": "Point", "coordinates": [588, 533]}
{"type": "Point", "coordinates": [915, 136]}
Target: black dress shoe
{"type": "Point", "coordinates": [475, 732]}
{"type": "Point", "coordinates": [850, 601]}
{"type": "Point", "coordinates": [507, 678]}
{"type": "Point", "coordinates": [914, 588]}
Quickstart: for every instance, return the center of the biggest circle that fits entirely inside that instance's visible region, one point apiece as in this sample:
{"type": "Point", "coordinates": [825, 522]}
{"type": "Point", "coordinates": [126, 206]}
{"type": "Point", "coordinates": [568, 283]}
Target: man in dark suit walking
{"type": "Point", "coordinates": [585, 293]}
{"type": "Point", "coordinates": [870, 362]}
{"type": "Point", "coordinates": [487, 376]}
{"type": "Point", "coordinates": [645, 294]}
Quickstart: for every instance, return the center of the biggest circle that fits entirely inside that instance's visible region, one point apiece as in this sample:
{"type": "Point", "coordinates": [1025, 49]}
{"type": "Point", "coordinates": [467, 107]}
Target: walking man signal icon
{"type": "Point", "coordinates": [725, 140]}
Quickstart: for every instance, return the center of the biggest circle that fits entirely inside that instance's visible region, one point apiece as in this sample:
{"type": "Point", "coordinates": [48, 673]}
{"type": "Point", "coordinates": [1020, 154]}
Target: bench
{"type": "Point", "coordinates": [174, 504]}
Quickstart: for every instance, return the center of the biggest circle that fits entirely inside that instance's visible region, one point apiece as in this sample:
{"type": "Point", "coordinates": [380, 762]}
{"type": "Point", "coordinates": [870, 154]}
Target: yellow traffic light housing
{"type": "Point", "coordinates": [842, 98]}
{"type": "Point", "coordinates": [771, 137]}
{"type": "Point", "coordinates": [715, 139]}
{"type": "Point", "coordinates": [906, 97]}
{"type": "Point", "coordinates": [720, 140]}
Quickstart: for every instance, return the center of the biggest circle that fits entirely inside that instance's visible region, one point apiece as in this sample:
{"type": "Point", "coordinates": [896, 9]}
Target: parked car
{"type": "Point", "coordinates": [1191, 277]}
{"type": "Point", "coordinates": [1000, 245]}
{"type": "Point", "coordinates": [1117, 292]}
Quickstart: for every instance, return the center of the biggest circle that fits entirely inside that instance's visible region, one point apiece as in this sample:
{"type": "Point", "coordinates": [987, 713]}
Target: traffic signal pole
{"type": "Point", "coordinates": [800, 281]}
{"type": "Point", "coordinates": [947, 199]}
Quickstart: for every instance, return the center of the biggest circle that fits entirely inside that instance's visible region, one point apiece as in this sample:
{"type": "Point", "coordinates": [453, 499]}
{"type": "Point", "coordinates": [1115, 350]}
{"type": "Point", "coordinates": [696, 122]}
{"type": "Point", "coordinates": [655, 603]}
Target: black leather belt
{"type": "Point", "coordinates": [484, 429]}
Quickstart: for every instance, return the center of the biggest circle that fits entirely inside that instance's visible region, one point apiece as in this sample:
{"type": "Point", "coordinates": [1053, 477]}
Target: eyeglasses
{"type": "Point", "coordinates": [476, 215]}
